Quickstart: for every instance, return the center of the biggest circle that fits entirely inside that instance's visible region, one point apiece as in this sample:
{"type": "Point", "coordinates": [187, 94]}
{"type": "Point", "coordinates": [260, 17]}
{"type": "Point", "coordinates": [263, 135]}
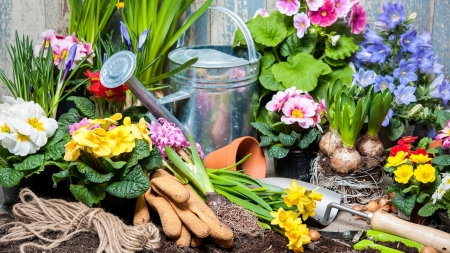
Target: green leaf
{"type": "Point", "coordinates": [395, 129]}
{"type": "Point", "coordinates": [10, 177]}
{"type": "Point", "coordinates": [88, 194]}
{"type": "Point", "coordinates": [413, 188]}
{"type": "Point", "coordinates": [97, 177]}
{"type": "Point", "coordinates": [69, 118]}
{"type": "Point", "coordinates": [267, 60]}
{"type": "Point", "coordinates": [132, 185]}
{"type": "Point", "coordinates": [443, 160]}
{"type": "Point", "coordinates": [111, 165]}
{"type": "Point", "coordinates": [140, 151]}
{"type": "Point", "coordinates": [265, 141]}
{"type": "Point", "coordinates": [55, 151]}
{"type": "Point", "coordinates": [288, 140]}
{"type": "Point", "coordinates": [335, 63]}
{"type": "Point", "coordinates": [294, 45]}
{"type": "Point", "coordinates": [30, 163]}
{"type": "Point", "coordinates": [344, 74]}
{"type": "Point", "coordinates": [84, 105]}
{"type": "Point", "coordinates": [277, 151]}
{"type": "Point", "coordinates": [404, 204]}
{"type": "Point", "coordinates": [153, 161]}
{"type": "Point", "coordinates": [268, 81]}
{"type": "Point", "coordinates": [422, 196]}
{"type": "Point", "coordinates": [424, 142]}
{"type": "Point", "coordinates": [308, 138]}
{"type": "Point", "coordinates": [428, 209]}
{"type": "Point", "coordinates": [4, 154]}
{"type": "Point", "coordinates": [442, 117]}
{"type": "Point", "coordinates": [135, 113]}
{"type": "Point", "coordinates": [344, 48]}
{"type": "Point", "coordinates": [60, 176]}
{"type": "Point", "coordinates": [302, 72]}
{"type": "Point", "coordinates": [63, 165]}
{"type": "Point", "coordinates": [269, 31]}
{"type": "Point", "coordinates": [57, 137]}
{"type": "Point", "coordinates": [263, 128]}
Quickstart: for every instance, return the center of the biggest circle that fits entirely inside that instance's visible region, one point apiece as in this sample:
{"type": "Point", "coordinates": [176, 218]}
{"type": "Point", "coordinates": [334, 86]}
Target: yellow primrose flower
{"type": "Point", "coordinates": [140, 130]}
{"type": "Point", "coordinates": [296, 196]}
{"type": "Point", "coordinates": [105, 147]}
{"type": "Point", "coordinates": [125, 141]}
{"type": "Point", "coordinates": [298, 237]}
{"type": "Point", "coordinates": [403, 173]}
{"type": "Point", "coordinates": [420, 158]}
{"type": "Point", "coordinates": [85, 137]}
{"type": "Point", "coordinates": [425, 173]}
{"type": "Point", "coordinates": [108, 121]}
{"type": "Point", "coordinates": [72, 151]}
{"type": "Point", "coordinates": [399, 158]}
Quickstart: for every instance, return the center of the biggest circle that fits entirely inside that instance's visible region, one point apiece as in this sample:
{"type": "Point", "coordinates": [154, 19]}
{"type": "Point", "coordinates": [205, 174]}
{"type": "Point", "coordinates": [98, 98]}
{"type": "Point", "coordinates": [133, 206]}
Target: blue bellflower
{"type": "Point", "coordinates": [393, 14]}
{"type": "Point", "coordinates": [422, 59]}
{"type": "Point", "coordinates": [362, 55]}
{"type": "Point", "coordinates": [410, 42]}
{"type": "Point", "coordinates": [442, 91]}
{"type": "Point", "coordinates": [405, 73]}
{"type": "Point", "coordinates": [426, 37]}
{"type": "Point", "coordinates": [405, 94]}
{"type": "Point", "coordinates": [371, 36]}
{"type": "Point", "coordinates": [379, 52]}
{"type": "Point", "coordinates": [382, 83]}
{"type": "Point", "coordinates": [437, 68]}
{"type": "Point", "coordinates": [364, 78]}
{"type": "Point", "coordinates": [388, 117]}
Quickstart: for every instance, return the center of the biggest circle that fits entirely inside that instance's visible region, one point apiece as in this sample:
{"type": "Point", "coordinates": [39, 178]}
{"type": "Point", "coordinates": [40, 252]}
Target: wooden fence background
{"type": "Point", "coordinates": [31, 17]}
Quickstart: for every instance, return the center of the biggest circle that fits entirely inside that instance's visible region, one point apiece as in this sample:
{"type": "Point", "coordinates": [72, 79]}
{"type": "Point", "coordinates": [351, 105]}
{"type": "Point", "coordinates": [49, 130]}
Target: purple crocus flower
{"type": "Point", "coordinates": [405, 72]}
{"type": "Point", "coordinates": [405, 94]}
{"type": "Point", "coordinates": [364, 78]}
{"type": "Point", "coordinates": [410, 42]}
{"type": "Point", "coordinates": [104, 58]}
{"type": "Point", "coordinates": [142, 39]}
{"type": "Point", "coordinates": [379, 52]}
{"type": "Point", "coordinates": [422, 59]}
{"type": "Point", "coordinates": [70, 60]}
{"type": "Point", "coordinates": [442, 91]}
{"type": "Point", "coordinates": [388, 117]}
{"type": "Point", "coordinates": [393, 14]}
{"type": "Point", "coordinates": [371, 36]}
{"type": "Point", "coordinates": [382, 83]}
{"type": "Point", "coordinates": [126, 35]}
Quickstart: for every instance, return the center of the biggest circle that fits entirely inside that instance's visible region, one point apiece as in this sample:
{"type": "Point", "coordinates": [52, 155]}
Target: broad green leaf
{"type": "Point", "coordinates": [404, 204]}
{"type": "Point", "coordinates": [84, 105]}
{"type": "Point", "coordinates": [135, 113]}
{"type": "Point", "coordinates": [152, 162]}
{"type": "Point", "coordinates": [80, 166]}
{"type": "Point", "coordinates": [422, 196]}
{"type": "Point", "coordinates": [267, 60]}
{"type": "Point", "coordinates": [140, 151]}
{"type": "Point", "coordinates": [265, 141]}
{"type": "Point", "coordinates": [442, 117]}
{"type": "Point", "coordinates": [443, 160]}
{"type": "Point", "coordinates": [308, 138]}
{"type": "Point", "coordinates": [268, 81]}
{"type": "Point", "coordinates": [344, 48]}
{"type": "Point", "coordinates": [132, 185]}
{"type": "Point", "coordinates": [97, 177]}
{"type": "Point", "coordinates": [277, 151]}
{"type": "Point", "coordinates": [69, 118]}
{"type": "Point", "coordinates": [60, 176]}
{"type": "Point", "coordinates": [335, 63]}
{"type": "Point", "coordinates": [429, 209]}
{"type": "Point", "coordinates": [288, 140]}
{"type": "Point", "coordinates": [88, 194]}
{"type": "Point", "coordinates": [269, 31]}
{"type": "Point", "coordinates": [63, 165]}
{"type": "Point", "coordinates": [4, 154]}
{"type": "Point", "coordinates": [57, 137]}
{"type": "Point", "coordinates": [263, 128]}
{"type": "Point", "coordinates": [424, 142]}
{"type": "Point", "coordinates": [55, 151]}
{"type": "Point", "coordinates": [302, 72]}
{"type": "Point", "coordinates": [37, 170]}
{"type": "Point", "coordinates": [411, 188]}
{"type": "Point", "coordinates": [395, 129]}
{"type": "Point", "coordinates": [294, 45]}
{"type": "Point", "coordinates": [30, 163]}
{"type": "Point", "coordinates": [111, 165]}
{"type": "Point", "coordinates": [345, 74]}
{"type": "Point", "coordinates": [10, 177]}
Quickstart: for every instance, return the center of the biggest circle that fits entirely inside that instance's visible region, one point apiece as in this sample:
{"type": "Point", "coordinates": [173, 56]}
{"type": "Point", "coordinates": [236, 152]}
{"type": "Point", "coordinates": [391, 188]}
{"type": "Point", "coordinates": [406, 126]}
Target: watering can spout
{"type": "Point", "coordinates": [118, 70]}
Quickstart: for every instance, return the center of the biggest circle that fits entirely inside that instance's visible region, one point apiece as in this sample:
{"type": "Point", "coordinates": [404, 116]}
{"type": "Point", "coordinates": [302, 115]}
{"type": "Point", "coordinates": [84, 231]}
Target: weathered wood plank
{"type": "Point", "coordinates": [441, 33]}
{"type": "Point", "coordinates": [373, 8]}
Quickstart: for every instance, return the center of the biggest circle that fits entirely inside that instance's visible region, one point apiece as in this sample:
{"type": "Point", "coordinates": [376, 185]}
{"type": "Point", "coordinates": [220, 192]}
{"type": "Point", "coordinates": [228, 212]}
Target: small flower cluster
{"type": "Point", "coordinates": [24, 126]}
{"type": "Point", "coordinates": [321, 14]}
{"type": "Point", "coordinates": [297, 107]}
{"type": "Point", "coordinates": [103, 138]}
{"type": "Point", "coordinates": [290, 222]}
{"type": "Point", "coordinates": [395, 56]}
{"type": "Point", "coordinates": [61, 46]}
{"type": "Point", "coordinates": [444, 135]}
{"type": "Point", "coordinates": [442, 194]}
{"type": "Point", "coordinates": [163, 133]}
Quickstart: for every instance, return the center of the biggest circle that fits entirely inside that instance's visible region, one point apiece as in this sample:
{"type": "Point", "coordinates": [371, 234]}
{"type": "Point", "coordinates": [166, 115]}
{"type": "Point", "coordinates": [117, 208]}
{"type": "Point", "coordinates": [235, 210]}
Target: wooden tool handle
{"type": "Point", "coordinates": [424, 235]}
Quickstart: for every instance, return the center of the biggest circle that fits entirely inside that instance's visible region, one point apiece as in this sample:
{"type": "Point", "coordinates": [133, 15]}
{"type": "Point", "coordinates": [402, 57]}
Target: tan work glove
{"type": "Point", "coordinates": [190, 210]}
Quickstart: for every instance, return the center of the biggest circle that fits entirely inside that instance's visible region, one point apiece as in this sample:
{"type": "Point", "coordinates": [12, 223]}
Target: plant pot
{"type": "Point", "coordinates": [254, 166]}
{"type": "Point", "coordinates": [296, 165]}
{"type": "Point", "coordinates": [416, 218]}
{"type": "Point", "coordinates": [435, 144]}
{"type": "Point", "coordinates": [445, 221]}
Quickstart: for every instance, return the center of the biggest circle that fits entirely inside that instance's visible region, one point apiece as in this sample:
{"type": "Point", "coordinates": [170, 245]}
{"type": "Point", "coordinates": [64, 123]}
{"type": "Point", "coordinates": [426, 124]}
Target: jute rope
{"type": "Point", "coordinates": [71, 218]}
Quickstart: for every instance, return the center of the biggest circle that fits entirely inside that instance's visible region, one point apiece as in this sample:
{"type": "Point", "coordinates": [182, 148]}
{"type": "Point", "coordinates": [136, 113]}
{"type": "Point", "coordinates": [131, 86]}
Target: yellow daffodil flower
{"type": "Point", "coordinates": [425, 173]}
{"type": "Point", "coordinates": [298, 237]}
{"type": "Point", "coordinates": [296, 196]}
{"type": "Point", "coordinates": [282, 216]}
{"type": "Point", "coordinates": [399, 158]}
{"type": "Point", "coordinates": [403, 173]}
{"type": "Point", "coordinates": [125, 141]}
{"type": "Point", "coordinates": [420, 158]}
{"type": "Point", "coordinates": [309, 210]}
{"type": "Point", "coordinates": [292, 221]}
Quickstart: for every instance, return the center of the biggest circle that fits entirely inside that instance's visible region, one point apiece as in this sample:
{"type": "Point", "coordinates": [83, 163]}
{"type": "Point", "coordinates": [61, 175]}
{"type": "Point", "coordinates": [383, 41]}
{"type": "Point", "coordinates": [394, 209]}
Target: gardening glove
{"type": "Point", "coordinates": [199, 219]}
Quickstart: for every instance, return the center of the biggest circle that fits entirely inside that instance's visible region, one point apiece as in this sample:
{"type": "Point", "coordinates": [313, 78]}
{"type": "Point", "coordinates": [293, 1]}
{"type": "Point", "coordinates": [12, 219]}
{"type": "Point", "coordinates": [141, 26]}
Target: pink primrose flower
{"type": "Point", "coordinates": [444, 135]}
{"type": "Point", "coordinates": [83, 123]}
{"type": "Point", "coordinates": [314, 5]}
{"type": "Point", "coordinates": [277, 102]}
{"type": "Point", "coordinates": [263, 12]}
{"type": "Point", "coordinates": [342, 7]}
{"type": "Point", "coordinates": [299, 110]}
{"type": "Point", "coordinates": [288, 7]}
{"type": "Point", "coordinates": [301, 23]}
{"type": "Point", "coordinates": [325, 15]}
{"type": "Point", "coordinates": [357, 19]}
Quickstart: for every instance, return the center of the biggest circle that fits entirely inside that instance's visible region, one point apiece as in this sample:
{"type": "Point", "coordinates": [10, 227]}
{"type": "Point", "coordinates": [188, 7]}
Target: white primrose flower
{"type": "Point", "coordinates": [446, 183]}
{"type": "Point", "coordinates": [19, 144]}
{"type": "Point", "coordinates": [5, 129]}
{"type": "Point", "coordinates": [437, 195]}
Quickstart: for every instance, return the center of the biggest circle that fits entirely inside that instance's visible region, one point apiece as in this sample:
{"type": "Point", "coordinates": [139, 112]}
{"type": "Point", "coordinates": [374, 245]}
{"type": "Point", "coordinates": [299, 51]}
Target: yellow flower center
{"type": "Point", "coordinates": [297, 114]}
{"type": "Point", "coordinates": [324, 13]}
{"type": "Point", "coordinates": [338, 4]}
{"type": "Point", "coordinates": [36, 124]}
{"type": "Point", "coordinates": [64, 54]}
{"type": "Point", "coordinates": [22, 138]}
{"type": "Point", "coordinates": [448, 132]}
{"type": "Point", "coordinates": [5, 129]}
{"type": "Point", "coordinates": [109, 93]}
{"type": "Point", "coordinates": [303, 25]}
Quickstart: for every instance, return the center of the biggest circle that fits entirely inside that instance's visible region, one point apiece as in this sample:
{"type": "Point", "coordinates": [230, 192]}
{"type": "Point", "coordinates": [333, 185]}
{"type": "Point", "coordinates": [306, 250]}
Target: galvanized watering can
{"type": "Point", "coordinates": [212, 100]}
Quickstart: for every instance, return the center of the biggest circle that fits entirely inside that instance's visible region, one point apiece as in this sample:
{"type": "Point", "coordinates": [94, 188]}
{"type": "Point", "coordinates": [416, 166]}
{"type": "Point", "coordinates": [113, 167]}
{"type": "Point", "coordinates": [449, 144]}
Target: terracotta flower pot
{"type": "Point", "coordinates": [435, 144]}
{"type": "Point", "coordinates": [254, 166]}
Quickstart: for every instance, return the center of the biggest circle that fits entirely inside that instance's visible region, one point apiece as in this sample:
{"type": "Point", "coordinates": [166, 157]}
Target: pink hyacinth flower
{"type": "Point", "coordinates": [357, 19]}
{"type": "Point", "coordinates": [325, 15]}
{"type": "Point", "coordinates": [277, 102]}
{"type": "Point", "coordinates": [314, 5]}
{"type": "Point", "coordinates": [299, 110]}
{"type": "Point", "coordinates": [301, 23]}
{"type": "Point", "coordinates": [342, 7]}
{"type": "Point", "coordinates": [263, 12]}
{"type": "Point", "coordinates": [288, 7]}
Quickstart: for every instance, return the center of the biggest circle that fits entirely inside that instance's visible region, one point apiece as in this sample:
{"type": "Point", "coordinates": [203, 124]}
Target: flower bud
{"type": "Point", "coordinates": [414, 110]}
{"type": "Point", "coordinates": [334, 39]}
{"type": "Point", "coordinates": [411, 16]}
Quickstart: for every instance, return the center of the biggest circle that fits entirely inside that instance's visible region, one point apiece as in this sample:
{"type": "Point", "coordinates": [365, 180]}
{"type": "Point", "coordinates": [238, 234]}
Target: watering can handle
{"type": "Point", "coordinates": [248, 37]}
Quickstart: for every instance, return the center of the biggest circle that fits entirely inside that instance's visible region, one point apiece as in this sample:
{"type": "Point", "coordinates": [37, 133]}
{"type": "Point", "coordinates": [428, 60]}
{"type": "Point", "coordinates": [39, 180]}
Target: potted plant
{"type": "Point", "coordinates": [416, 176]}
{"type": "Point", "coordinates": [395, 56]}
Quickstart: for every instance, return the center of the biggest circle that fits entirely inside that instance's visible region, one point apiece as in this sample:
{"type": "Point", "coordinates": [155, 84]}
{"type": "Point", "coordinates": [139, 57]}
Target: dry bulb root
{"type": "Point", "coordinates": [373, 206]}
